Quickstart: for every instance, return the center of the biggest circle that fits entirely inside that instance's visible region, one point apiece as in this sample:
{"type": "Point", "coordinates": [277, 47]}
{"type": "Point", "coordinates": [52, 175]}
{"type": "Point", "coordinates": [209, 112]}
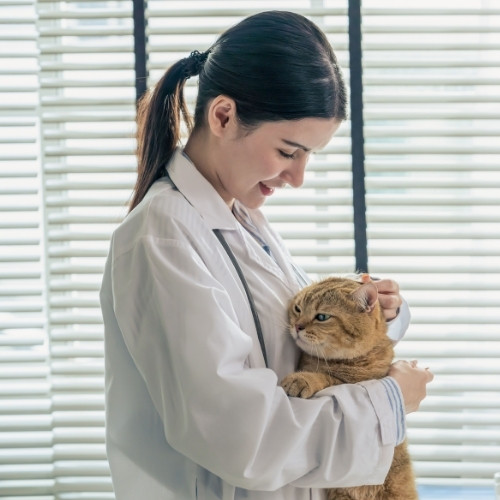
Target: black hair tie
{"type": "Point", "coordinates": [193, 64]}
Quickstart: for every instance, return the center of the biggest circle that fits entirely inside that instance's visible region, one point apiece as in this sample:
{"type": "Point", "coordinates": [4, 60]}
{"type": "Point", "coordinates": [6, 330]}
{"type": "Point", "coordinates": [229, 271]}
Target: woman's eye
{"type": "Point", "coordinates": [286, 155]}
{"type": "Point", "coordinates": [322, 317]}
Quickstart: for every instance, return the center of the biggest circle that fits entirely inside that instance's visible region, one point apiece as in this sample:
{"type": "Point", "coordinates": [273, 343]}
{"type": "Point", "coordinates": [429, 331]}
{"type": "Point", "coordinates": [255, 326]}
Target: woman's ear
{"type": "Point", "coordinates": [366, 296]}
{"type": "Point", "coordinates": [222, 115]}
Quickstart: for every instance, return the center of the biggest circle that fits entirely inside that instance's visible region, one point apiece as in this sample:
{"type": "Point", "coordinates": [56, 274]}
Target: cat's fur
{"type": "Point", "coordinates": [348, 346]}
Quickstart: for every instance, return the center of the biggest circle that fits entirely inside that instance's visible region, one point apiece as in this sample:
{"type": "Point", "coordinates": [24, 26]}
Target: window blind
{"type": "Point", "coordinates": [432, 121]}
{"type": "Point", "coordinates": [25, 416]}
{"type": "Point", "coordinates": [86, 113]}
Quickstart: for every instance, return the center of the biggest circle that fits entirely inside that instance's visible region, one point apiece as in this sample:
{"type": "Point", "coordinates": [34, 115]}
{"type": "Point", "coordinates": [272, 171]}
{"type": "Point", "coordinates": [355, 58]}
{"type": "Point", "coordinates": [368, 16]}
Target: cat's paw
{"type": "Point", "coordinates": [298, 385]}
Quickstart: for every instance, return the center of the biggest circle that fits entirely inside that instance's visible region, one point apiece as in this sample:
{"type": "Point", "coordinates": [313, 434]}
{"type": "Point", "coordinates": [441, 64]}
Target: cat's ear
{"type": "Point", "coordinates": [366, 296]}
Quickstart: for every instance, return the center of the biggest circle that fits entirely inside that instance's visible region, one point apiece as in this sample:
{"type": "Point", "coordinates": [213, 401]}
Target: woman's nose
{"type": "Point", "coordinates": [294, 175]}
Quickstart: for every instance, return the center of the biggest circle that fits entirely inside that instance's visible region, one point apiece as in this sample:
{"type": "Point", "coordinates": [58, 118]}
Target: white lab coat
{"type": "Point", "coordinates": [191, 410]}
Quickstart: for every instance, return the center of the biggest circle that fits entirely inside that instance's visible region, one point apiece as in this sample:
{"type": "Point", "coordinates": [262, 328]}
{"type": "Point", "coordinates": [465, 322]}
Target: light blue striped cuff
{"type": "Point", "coordinates": [397, 406]}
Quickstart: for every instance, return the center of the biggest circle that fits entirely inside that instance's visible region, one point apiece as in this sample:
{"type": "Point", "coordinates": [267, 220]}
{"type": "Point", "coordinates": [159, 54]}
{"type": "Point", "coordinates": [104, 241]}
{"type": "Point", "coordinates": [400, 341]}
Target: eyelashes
{"type": "Point", "coordinates": [286, 155]}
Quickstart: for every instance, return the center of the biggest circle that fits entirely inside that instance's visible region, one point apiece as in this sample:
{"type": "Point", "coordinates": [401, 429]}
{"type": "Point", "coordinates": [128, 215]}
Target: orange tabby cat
{"type": "Point", "coordinates": [340, 327]}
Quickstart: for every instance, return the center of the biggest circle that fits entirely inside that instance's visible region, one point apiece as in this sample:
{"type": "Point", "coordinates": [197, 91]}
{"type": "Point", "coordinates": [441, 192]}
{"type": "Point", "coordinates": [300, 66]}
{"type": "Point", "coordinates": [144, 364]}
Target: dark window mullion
{"type": "Point", "coordinates": [357, 136]}
{"type": "Point", "coordinates": [140, 41]}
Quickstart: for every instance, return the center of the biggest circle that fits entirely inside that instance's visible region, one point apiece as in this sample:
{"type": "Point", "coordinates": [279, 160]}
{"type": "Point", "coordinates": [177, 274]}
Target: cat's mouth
{"type": "Point", "coordinates": [325, 349]}
{"type": "Point", "coordinates": [305, 342]}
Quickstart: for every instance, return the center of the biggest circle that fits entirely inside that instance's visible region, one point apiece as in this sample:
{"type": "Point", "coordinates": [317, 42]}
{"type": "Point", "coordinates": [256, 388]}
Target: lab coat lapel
{"type": "Point", "coordinates": [260, 257]}
{"type": "Point", "coordinates": [278, 265]}
{"type": "Point", "coordinates": [283, 262]}
{"type": "Point", "coordinates": [217, 215]}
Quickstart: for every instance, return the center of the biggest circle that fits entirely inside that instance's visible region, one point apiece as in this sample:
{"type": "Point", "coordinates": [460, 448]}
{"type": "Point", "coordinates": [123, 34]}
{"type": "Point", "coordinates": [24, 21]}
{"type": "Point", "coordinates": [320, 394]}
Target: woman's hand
{"type": "Point", "coordinates": [388, 295]}
{"type": "Point", "coordinates": [412, 382]}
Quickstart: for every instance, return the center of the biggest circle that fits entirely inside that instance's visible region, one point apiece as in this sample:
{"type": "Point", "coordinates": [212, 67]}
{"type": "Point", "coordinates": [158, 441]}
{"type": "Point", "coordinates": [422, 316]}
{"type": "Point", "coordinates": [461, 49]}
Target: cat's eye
{"type": "Point", "coordinates": [322, 317]}
{"type": "Point", "coordinates": [297, 309]}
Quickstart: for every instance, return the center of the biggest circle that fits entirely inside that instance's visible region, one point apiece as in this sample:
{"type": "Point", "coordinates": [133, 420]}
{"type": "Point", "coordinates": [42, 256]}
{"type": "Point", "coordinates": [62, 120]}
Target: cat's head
{"type": "Point", "coordinates": [337, 318]}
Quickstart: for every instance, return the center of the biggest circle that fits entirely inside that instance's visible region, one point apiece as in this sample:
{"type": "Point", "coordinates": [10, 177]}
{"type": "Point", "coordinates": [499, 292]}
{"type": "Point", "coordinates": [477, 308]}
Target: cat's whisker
{"type": "Point", "coordinates": [319, 355]}
{"type": "Point", "coordinates": [328, 368]}
{"type": "Point", "coordinates": [282, 323]}
{"type": "Point", "coordinates": [284, 327]}
{"type": "Point", "coordinates": [318, 368]}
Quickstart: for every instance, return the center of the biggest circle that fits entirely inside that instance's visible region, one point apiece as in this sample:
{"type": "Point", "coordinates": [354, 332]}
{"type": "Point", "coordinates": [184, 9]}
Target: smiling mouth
{"type": "Point", "coordinates": [266, 190]}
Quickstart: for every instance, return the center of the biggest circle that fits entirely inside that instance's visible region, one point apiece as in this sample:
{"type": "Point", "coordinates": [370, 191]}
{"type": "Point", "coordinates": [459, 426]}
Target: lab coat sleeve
{"type": "Point", "coordinates": [398, 326]}
{"type": "Point", "coordinates": [180, 327]}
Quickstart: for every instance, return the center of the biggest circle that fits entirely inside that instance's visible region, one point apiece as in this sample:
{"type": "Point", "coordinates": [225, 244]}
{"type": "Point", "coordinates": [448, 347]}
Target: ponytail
{"type": "Point", "coordinates": [159, 123]}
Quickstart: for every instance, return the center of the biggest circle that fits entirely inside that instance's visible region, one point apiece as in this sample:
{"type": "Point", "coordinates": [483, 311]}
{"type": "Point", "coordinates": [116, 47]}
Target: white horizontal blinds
{"type": "Point", "coordinates": [25, 419]}
{"type": "Point", "coordinates": [87, 115]}
{"type": "Point", "coordinates": [432, 121]}
{"type": "Point", "coordinates": [316, 221]}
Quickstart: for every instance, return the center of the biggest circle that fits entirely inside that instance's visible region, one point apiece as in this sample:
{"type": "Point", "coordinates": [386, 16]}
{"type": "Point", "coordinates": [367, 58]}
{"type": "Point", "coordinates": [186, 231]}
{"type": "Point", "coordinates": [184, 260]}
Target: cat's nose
{"type": "Point", "coordinates": [298, 328]}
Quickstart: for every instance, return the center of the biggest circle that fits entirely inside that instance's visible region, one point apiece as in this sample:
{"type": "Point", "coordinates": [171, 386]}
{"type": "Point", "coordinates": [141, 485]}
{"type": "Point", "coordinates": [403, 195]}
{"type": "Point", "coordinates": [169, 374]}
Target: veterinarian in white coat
{"type": "Point", "coordinates": [192, 410]}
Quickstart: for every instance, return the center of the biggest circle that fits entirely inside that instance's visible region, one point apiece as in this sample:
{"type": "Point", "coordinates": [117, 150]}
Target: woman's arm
{"type": "Point", "coordinates": [182, 332]}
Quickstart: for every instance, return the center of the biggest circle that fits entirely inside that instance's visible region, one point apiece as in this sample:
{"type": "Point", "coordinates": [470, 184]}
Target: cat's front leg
{"type": "Point", "coordinates": [305, 384]}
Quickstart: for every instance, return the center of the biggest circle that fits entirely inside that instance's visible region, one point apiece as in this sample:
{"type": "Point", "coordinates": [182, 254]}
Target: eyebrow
{"type": "Point", "coordinates": [296, 144]}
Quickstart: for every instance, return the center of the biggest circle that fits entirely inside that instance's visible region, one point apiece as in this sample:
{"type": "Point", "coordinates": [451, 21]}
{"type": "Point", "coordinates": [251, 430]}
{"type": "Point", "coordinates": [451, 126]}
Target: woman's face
{"type": "Point", "coordinates": [252, 165]}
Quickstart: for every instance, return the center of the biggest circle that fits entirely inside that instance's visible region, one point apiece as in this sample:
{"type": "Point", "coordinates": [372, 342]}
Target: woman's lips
{"type": "Point", "coordinates": [266, 190]}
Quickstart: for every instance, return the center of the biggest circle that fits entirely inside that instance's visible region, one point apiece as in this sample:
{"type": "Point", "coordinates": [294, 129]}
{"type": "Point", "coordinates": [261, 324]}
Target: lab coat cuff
{"type": "Point", "coordinates": [397, 406]}
{"type": "Point", "coordinates": [387, 402]}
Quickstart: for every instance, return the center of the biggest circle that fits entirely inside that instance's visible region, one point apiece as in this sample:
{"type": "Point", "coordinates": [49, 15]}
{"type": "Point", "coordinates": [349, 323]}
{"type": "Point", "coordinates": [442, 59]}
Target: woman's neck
{"type": "Point", "coordinates": [202, 152]}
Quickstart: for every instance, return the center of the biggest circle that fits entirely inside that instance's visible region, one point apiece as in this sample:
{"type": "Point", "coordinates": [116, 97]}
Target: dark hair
{"type": "Point", "coordinates": [276, 66]}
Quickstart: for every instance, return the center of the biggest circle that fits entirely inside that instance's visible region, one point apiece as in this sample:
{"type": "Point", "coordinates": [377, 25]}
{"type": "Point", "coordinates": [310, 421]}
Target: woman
{"type": "Point", "coordinates": [193, 403]}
